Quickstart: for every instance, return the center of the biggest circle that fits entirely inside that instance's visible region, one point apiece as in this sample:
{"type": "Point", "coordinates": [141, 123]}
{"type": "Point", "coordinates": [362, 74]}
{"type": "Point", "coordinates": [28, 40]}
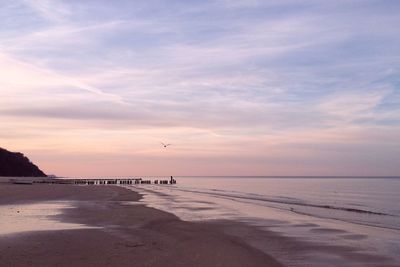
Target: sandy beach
{"type": "Point", "coordinates": [127, 234]}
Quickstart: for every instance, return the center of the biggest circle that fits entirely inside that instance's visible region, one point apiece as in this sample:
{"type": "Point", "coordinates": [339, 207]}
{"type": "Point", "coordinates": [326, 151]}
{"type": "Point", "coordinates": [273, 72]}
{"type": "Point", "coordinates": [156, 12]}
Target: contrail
{"type": "Point", "coordinates": [64, 79]}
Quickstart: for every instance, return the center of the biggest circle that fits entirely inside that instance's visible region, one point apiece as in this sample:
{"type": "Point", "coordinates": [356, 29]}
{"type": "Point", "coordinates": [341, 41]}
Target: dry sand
{"type": "Point", "coordinates": [129, 234]}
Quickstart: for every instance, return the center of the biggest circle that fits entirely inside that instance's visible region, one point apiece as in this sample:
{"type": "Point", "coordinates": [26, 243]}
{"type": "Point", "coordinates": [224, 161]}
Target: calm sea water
{"type": "Point", "coordinates": [359, 213]}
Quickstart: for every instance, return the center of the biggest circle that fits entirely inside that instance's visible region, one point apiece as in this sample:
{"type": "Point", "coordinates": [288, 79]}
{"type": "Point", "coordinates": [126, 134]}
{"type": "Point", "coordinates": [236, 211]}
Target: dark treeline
{"type": "Point", "coordinates": [15, 164]}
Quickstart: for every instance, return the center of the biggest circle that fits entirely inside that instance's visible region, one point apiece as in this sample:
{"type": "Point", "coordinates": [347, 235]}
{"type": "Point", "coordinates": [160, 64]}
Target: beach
{"type": "Point", "coordinates": [116, 231]}
{"type": "Point", "coordinates": [238, 133]}
{"type": "Point", "coordinates": [299, 221]}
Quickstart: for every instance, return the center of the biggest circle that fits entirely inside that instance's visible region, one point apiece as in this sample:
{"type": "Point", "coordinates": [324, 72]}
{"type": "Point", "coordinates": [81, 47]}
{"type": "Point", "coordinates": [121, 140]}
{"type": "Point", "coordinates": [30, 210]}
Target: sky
{"type": "Point", "coordinates": [279, 87]}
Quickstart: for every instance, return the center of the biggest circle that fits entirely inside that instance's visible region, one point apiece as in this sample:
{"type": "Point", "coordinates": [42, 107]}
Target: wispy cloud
{"type": "Point", "coordinates": [51, 10]}
{"type": "Point", "coordinates": [225, 78]}
{"type": "Point", "coordinates": [36, 79]}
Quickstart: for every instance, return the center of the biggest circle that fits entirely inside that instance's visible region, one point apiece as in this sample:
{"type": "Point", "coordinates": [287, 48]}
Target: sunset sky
{"type": "Point", "coordinates": [284, 87]}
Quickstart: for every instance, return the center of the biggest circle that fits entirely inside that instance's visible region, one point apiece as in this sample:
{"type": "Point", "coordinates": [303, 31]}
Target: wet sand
{"type": "Point", "coordinates": [128, 234]}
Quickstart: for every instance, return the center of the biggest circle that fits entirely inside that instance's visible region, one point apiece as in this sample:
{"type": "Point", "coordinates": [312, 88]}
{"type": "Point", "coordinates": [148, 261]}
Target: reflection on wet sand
{"type": "Point", "coordinates": [295, 239]}
{"type": "Point", "coordinates": [42, 216]}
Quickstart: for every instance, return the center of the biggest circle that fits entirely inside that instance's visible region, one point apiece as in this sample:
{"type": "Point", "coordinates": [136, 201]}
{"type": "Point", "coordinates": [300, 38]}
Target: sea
{"type": "Point", "coordinates": [337, 221]}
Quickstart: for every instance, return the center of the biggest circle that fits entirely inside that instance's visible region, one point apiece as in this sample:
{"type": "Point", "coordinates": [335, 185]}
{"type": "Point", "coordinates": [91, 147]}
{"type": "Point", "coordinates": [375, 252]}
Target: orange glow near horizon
{"type": "Point", "coordinates": [240, 90]}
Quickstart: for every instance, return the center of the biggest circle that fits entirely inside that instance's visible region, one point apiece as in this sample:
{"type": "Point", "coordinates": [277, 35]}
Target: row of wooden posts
{"type": "Point", "coordinates": [123, 181]}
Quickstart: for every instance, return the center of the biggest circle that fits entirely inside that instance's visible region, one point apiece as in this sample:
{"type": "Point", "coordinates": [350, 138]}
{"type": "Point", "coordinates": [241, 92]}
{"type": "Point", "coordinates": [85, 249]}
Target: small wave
{"type": "Point", "coordinates": [286, 201]}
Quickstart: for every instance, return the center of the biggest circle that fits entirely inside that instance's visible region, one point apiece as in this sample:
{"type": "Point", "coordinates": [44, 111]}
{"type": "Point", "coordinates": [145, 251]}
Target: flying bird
{"type": "Point", "coordinates": [165, 145]}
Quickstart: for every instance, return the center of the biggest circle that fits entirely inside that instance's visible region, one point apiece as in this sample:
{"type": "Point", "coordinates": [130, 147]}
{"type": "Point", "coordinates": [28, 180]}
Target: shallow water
{"type": "Point", "coordinates": [361, 214]}
{"type": "Point", "coordinates": [41, 216]}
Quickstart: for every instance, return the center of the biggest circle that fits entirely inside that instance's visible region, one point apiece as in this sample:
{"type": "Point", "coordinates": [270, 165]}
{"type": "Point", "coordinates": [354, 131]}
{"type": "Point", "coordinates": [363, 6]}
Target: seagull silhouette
{"type": "Point", "coordinates": [165, 145]}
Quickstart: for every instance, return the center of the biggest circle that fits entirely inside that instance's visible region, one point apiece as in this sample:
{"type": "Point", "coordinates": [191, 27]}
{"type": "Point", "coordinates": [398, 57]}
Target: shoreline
{"type": "Point", "coordinates": [291, 238]}
{"type": "Point", "coordinates": [128, 234]}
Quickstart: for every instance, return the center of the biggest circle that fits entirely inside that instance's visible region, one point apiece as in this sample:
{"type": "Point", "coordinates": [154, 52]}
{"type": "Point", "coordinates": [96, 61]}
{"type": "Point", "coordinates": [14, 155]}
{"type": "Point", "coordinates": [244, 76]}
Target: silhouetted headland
{"type": "Point", "coordinates": [16, 164]}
